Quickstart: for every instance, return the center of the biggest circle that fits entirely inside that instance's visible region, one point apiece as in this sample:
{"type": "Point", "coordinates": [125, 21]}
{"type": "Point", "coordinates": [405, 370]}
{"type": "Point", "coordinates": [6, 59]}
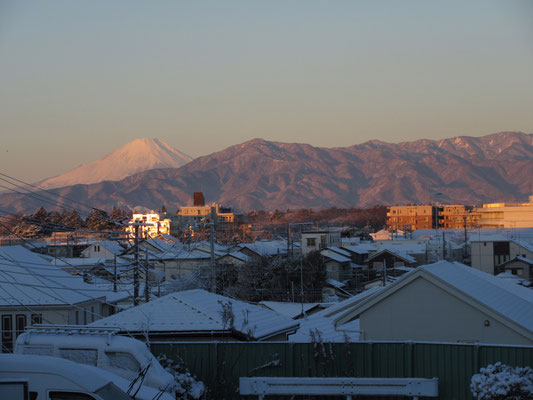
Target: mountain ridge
{"type": "Point", "coordinates": [260, 174]}
{"type": "Point", "coordinates": [138, 155]}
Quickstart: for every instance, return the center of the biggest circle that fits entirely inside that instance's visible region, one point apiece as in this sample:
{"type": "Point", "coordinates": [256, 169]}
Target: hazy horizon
{"type": "Point", "coordinates": [81, 79]}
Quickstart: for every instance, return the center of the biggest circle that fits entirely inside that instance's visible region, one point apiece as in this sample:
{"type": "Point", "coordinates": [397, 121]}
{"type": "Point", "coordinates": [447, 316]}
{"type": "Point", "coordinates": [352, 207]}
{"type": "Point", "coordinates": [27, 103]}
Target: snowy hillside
{"type": "Point", "coordinates": [137, 156]}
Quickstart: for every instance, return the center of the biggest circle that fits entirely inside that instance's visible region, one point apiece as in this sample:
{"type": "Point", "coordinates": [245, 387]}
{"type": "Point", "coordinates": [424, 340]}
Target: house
{"type": "Point", "coordinates": [294, 310]}
{"type": "Point", "coordinates": [236, 259]}
{"type": "Point", "coordinates": [338, 266]}
{"type": "Point", "coordinates": [34, 291]}
{"type": "Point", "coordinates": [263, 248]}
{"type": "Point", "coordinates": [319, 239]}
{"type": "Point", "coordinates": [359, 252]}
{"type": "Point", "coordinates": [445, 302]}
{"type": "Point", "coordinates": [389, 258]}
{"type": "Point", "coordinates": [197, 315]}
{"type": "Point", "coordinates": [107, 249]}
{"type": "Point", "coordinates": [520, 266]}
{"type": "Point", "coordinates": [489, 252]}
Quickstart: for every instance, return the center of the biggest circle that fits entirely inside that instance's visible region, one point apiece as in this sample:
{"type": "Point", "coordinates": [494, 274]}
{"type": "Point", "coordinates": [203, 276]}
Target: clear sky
{"type": "Point", "coordinates": [79, 79]}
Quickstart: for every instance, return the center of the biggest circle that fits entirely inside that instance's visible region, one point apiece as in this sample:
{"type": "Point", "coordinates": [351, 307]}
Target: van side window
{"type": "Point", "coordinates": [70, 396]}
{"type": "Point", "coordinates": [81, 356]}
{"type": "Point", "coordinates": [123, 361]}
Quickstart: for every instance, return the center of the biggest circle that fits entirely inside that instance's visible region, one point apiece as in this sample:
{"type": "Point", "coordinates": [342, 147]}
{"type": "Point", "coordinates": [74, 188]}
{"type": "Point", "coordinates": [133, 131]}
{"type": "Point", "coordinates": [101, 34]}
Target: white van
{"type": "Point", "coordinates": [98, 347]}
{"type": "Point", "coordinates": [50, 378]}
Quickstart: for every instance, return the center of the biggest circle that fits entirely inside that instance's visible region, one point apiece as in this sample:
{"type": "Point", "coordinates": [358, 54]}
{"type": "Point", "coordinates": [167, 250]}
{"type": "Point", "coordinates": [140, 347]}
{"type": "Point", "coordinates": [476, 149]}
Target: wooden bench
{"type": "Point", "coordinates": [410, 387]}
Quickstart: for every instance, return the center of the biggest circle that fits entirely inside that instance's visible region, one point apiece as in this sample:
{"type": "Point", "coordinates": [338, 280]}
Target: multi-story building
{"type": "Point", "coordinates": [412, 217]}
{"type": "Point", "coordinates": [456, 216]}
{"type": "Point", "coordinates": [154, 225]}
{"type": "Point", "coordinates": [506, 215]}
{"type": "Point", "coordinates": [191, 217]}
{"type": "Point", "coordinates": [318, 240]}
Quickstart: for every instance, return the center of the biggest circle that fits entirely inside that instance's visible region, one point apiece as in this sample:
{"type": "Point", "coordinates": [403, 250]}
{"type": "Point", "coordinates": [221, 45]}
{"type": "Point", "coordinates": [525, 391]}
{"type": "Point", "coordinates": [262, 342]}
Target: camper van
{"type": "Point", "coordinates": [98, 347]}
{"type": "Point", "coordinates": [41, 377]}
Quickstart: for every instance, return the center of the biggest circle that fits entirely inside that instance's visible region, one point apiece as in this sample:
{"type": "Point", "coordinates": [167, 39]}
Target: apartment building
{"type": "Point", "coordinates": [506, 215]}
{"type": "Point", "coordinates": [412, 217]}
{"type": "Point", "coordinates": [154, 225]}
{"type": "Point", "coordinates": [456, 216]}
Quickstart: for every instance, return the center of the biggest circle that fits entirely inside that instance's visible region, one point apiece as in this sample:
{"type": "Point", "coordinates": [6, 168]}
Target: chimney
{"type": "Point", "coordinates": [198, 198]}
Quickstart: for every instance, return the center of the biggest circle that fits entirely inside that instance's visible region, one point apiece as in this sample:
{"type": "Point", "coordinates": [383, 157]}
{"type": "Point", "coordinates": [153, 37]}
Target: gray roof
{"type": "Point", "coordinates": [194, 311]}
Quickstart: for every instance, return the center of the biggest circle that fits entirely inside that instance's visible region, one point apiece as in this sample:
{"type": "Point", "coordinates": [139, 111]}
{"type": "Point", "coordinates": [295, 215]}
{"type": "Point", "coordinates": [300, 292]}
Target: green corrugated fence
{"type": "Point", "coordinates": [219, 365]}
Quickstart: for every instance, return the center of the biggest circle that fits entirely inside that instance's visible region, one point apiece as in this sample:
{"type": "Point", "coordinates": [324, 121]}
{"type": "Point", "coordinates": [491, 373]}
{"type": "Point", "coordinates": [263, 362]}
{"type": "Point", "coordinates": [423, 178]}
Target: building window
{"type": "Point", "coordinates": [311, 242]}
{"type": "Point", "coordinates": [7, 333]}
{"type": "Point", "coordinates": [20, 323]}
{"type": "Point", "coordinates": [36, 319]}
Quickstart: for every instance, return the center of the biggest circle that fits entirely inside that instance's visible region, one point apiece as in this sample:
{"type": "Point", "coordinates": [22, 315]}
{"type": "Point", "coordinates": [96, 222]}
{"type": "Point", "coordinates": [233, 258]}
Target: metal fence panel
{"type": "Point", "coordinates": [220, 365]}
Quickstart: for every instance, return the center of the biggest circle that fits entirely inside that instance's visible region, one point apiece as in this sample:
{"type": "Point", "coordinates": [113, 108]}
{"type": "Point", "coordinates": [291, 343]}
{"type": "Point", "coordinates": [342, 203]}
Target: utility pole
{"type": "Point", "coordinates": [465, 254]}
{"type": "Point", "coordinates": [212, 248]}
{"type": "Point", "coordinates": [146, 282]}
{"type": "Point", "coordinates": [115, 274]}
{"type": "Point", "coordinates": [136, 265]}
{"type": "Point", "coordinates": [288, 239]}
{"type": "Point", "coordinates": [384, 272]}
{"type": "Point", "coordinates": [136, 270]}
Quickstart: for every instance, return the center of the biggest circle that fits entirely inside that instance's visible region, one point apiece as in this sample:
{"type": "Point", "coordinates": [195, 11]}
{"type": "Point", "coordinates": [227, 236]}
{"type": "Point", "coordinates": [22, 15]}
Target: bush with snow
{"type": "Point", "coordinates": [187, 387]}
{"type": "Point", "coordinates": [499, 382]}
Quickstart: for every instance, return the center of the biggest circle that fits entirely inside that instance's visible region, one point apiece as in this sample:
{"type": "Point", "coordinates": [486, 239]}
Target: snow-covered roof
{"type": "Point", "coordinates": [238, 255]}
{"type": "Point", "coordinates": [289, 309]}
{"type": "Point", "coordinates": [197, 311]}
{"type": "Point", "coordinates": [340, 251]}
{"type": "Point", "coordinates": [395, 252]}
{"type": "Point", "coordinates": [361, 248]}
{"type": "Point", "coordinates": [335, 283]}
{"type": "Point", "coordinates": [28, 280]}
{"type": "Point", "coordinates": [502, 298]}
{"type": "Point", "coordinates": [512, 301]}
{"type": "Point", "coordinates": [266, 248]}
{"type": "Point", "coordinates": [483, 237]}
{"type": "Point", "coordinates": [334, 256]}
{"type": "Point", "coordinates": [322, 329]}
{"type": "Point", "coordinates": [400, 247]}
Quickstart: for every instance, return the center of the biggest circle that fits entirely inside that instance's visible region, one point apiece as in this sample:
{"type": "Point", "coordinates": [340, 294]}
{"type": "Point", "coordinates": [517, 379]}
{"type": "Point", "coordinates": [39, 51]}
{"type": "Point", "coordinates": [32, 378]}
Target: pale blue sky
{"type": "Point", "coordinates": [79, 79]}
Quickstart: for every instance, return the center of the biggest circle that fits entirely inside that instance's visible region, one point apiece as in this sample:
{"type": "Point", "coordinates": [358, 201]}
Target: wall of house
{"type": "Point", "coordinates": [439, 317]}
{"type": "Point", "coordinates": [516, 250]}
{"type": "Point", "coordinates": [177, 268]}
{"type": "Point", "coordinates": [482, 256]}
{"type": "Point", "coordinates": [14, 320]}
{"type": "Point", "coordinates": [97, 250]}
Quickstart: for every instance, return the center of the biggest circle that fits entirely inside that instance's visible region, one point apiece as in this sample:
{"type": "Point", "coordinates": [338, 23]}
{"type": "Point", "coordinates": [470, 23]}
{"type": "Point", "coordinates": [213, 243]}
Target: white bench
{"type": "Point", "coordinates": [411, 387]}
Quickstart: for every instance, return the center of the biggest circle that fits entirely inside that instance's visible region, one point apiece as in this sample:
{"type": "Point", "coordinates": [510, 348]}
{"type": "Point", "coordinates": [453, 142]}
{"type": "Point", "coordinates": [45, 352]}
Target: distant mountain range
{"type": "Point", "coordinates": [137, 156]}
{"type": "Point", "coordinates": [267, 175]}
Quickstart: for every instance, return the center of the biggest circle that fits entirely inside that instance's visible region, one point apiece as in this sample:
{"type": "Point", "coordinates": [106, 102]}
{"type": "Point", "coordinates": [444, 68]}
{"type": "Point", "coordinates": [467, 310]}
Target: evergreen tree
{"type": "Point", "coordinates": [98, 220]}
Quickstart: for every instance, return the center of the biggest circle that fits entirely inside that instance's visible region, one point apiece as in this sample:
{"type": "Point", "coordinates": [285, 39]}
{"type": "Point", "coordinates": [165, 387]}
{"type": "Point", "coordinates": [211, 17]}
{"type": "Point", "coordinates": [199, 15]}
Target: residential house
{"type": "Point", "coordinates": [107, 249]}
{"type": "Point", "coordinates": [197, 315]}
{"type": "Point", "coordinates": [338, 266]}
{"type": "Point", "coordinates": [520, 266]}
{"type": "Point", "coordinates": [489, 252]}
{"type": "Point", "coordinates": [320, 239]}
{"type": "Point", "coordinates": [445, 302]}
{"type": "Point", "coordinates": [34, 291]}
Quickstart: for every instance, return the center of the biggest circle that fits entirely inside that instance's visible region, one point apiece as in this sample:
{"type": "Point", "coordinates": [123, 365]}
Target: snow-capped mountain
{"type": "Point", "coordinates": [259, 174]}
{"type": "Point", "coordinates": [136, 156]}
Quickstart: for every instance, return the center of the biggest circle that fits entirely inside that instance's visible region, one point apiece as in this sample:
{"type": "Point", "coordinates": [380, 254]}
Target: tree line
{"type": "Point", "coordinates": [42, 222]}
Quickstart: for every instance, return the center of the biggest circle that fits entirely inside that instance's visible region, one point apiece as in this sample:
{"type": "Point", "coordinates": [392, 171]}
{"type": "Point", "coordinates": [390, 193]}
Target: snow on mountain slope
{"type": "Point", "coordinates": [136, 156]}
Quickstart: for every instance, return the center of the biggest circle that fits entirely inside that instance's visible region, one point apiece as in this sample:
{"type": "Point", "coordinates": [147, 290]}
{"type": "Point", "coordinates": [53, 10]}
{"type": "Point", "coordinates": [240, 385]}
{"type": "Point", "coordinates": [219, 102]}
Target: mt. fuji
{"type": "Point", "coordinates": [136, 156]}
